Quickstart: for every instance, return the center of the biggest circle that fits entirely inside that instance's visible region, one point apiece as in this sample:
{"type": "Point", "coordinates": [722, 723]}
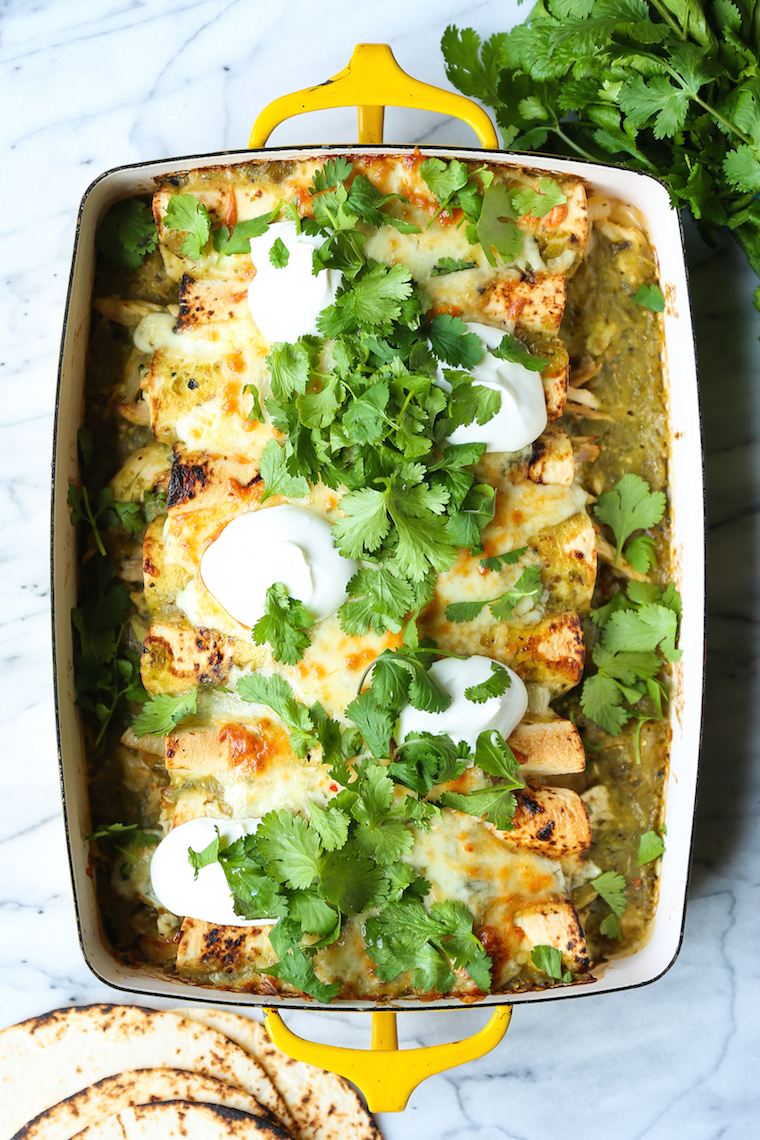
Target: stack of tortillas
{"type": "Point", "coordinates": [117, 1072]}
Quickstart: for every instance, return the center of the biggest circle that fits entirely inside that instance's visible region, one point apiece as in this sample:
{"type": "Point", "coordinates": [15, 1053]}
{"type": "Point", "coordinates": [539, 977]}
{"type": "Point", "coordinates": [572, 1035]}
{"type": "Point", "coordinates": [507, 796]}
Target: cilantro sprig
{"type": "Point", "coordinates": [105, 512]}
{"type": "Point", "coordinates": [611, 887]}
{"type": "Point", "coordinates": [284, 624]}
{"type": "Point", "coordinates": [528, 585]}
{"type": "Point", "coordinates": [670, 89]}
{"type": "Point", "coordinates": [628, 507]}
{"type": "Point", "coordinates": [127, 838]}
{"type": "Point", "coordinates": [162, 712]}
{"type": "Point", "coordinates": [639, 629]}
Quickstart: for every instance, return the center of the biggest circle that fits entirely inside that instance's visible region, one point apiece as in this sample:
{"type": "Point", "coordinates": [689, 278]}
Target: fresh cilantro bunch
{"type": "Point", "coordinates": [665, 86]}
{"type": "Point", "coordinates": [490, 208]}
{"type": "Point", "coordinates": [639, 629]}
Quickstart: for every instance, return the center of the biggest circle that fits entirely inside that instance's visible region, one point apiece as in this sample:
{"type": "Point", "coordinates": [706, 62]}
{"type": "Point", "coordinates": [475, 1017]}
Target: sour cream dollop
{"type": "Point", "coordinates": [276, 544]}
{"type": "Point", "coordinates": [286, 302]}
{"type": "Point", "coordinates": [464, 720]}
{"type": "Point", "coordinates": [522, 415]}
{"type": "Point", "coordinates": [207, 897]}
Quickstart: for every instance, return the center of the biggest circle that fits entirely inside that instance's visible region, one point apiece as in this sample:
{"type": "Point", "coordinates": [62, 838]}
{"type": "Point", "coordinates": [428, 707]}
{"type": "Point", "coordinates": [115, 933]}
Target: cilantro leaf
{"type": "Point", "coordinates": [464, 611]}
{"type": "Point", "coordinates": [279, 254]}
{"type": "Point", "coordinates": [515, 352]}
{"type": "Point", "coordinates": [538, 203]}
{"type": "Point", "coordinates": [284, 625]}
{"type": "Point", "coordinates": [424, 760]}
{"type": "Point", "coordinates": [204, 858]}
{"type": "Point", "coordinates": [494, 756]}
{"type": "Point", "coordinates": [443, 178]}
{"type": "Point", "coordinates": [496, 803]}
{"type": "Point", "coordinates": [446, 265]}
{"type": "Point", "coordinates": [378, 600]}
{"type": "Point", "coordinates": [238, 239]}
{"type": "Point", "coordinates": [509, 558]}
{"type": "Point", "coordinates": [351, 881]}
{"type": "Point", "coordinates": [256, 412]}
{"type": "Point", "coordinates": [628, 507]}
{"type": "Point", "coordinates": [528, 585]}
{"type": "Point", "coordinates": [609, 927]}
{"type": "Point", "coordinates": [549, 960]}
{"type": "Point", "coordinates": [335, 170]}
{"type": "Point", "coordinates": [276, 693]}
{"type": "Point", "coordinates": [646, 629]}
{"type": "Point", "coordinates": [297, 970]}
{"type": "Point", "coordinates": [475, 76]}
{"type": "Point", "coordinates": [127, 233]}
{"type": "Point", "coordinates": [495, 229]}
{"type": "Point", "coordinates": [290, 848]}
{"type": "Point", "coordinates": [314, 914]}
{"type": "Point", "coordinates": [162, 712]}
{"type": "Point", "coordinates": [185, 213]}
{"type": "Point", "coordinates": [277, 478]}
{"type": "Point", "coordinates": [650, 297]}
{"type": "Point", "coordinates": [375, 724]}
{"type": "Point", "coordinates": [129, 833]}
{"type": "Point", "coordinates": [651, 847]}
{"type": "Point", "coordinates": [374, 300]}
{"type": "Point", "coordinates": [640, 553]}
{"type": "Point", "coordinates": [611, 887]}
{"type": "Point", "coordinates": [290, 366]}
{"type": "Point", "coordinates": [451, 341]}
{"type": "Point", "coordinates": [497, 683]}
{"type": "Point", "coordinates": [601, 701]}
{"type": "Point", "coordinates": [330, 825]}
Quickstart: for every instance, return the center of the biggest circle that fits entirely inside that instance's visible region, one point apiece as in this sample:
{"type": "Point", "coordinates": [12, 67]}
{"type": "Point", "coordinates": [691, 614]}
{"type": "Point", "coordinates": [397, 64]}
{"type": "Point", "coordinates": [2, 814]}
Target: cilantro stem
{"type": "Point", "coordinates": [91, 519]}
{"type": "Point", "coordinates": [637, 737]}
{"type": "Point", "coordinates": [675, 27]}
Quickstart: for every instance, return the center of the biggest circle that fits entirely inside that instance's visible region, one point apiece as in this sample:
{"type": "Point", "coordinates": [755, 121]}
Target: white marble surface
{"type": "Point", "coordinates": [91, 84]}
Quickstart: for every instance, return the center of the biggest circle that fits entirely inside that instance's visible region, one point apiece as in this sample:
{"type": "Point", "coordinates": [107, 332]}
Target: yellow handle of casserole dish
{"type": "Point", "coordinates": [371, 82]}
{"type": "Point", "coordinates": [386, 1074]}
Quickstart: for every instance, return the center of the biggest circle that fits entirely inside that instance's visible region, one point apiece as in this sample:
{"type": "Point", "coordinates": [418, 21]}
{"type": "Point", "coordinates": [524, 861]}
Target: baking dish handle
{"type": "Point", "coordinates": [371, 81]}
{"type": "Point", "coordinates": [386, 1074]}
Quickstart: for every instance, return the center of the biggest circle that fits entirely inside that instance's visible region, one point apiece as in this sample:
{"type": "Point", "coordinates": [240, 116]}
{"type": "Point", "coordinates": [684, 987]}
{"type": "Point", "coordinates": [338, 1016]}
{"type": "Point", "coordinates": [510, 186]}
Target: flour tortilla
{"type": "Point", "coordinates": [49, 1058]}
{"type": "Point", "coordinates": [323, 1105]}
{"type": "Point", "coordinates": [127, 1090]}
{"type": "Point", "coordinates": [182, 1120]}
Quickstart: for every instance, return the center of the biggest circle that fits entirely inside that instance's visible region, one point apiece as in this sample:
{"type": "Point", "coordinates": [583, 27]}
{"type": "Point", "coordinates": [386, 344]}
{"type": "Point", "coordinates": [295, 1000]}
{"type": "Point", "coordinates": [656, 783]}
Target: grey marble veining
{"type": "Point", "coordinates": [92, 85]}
